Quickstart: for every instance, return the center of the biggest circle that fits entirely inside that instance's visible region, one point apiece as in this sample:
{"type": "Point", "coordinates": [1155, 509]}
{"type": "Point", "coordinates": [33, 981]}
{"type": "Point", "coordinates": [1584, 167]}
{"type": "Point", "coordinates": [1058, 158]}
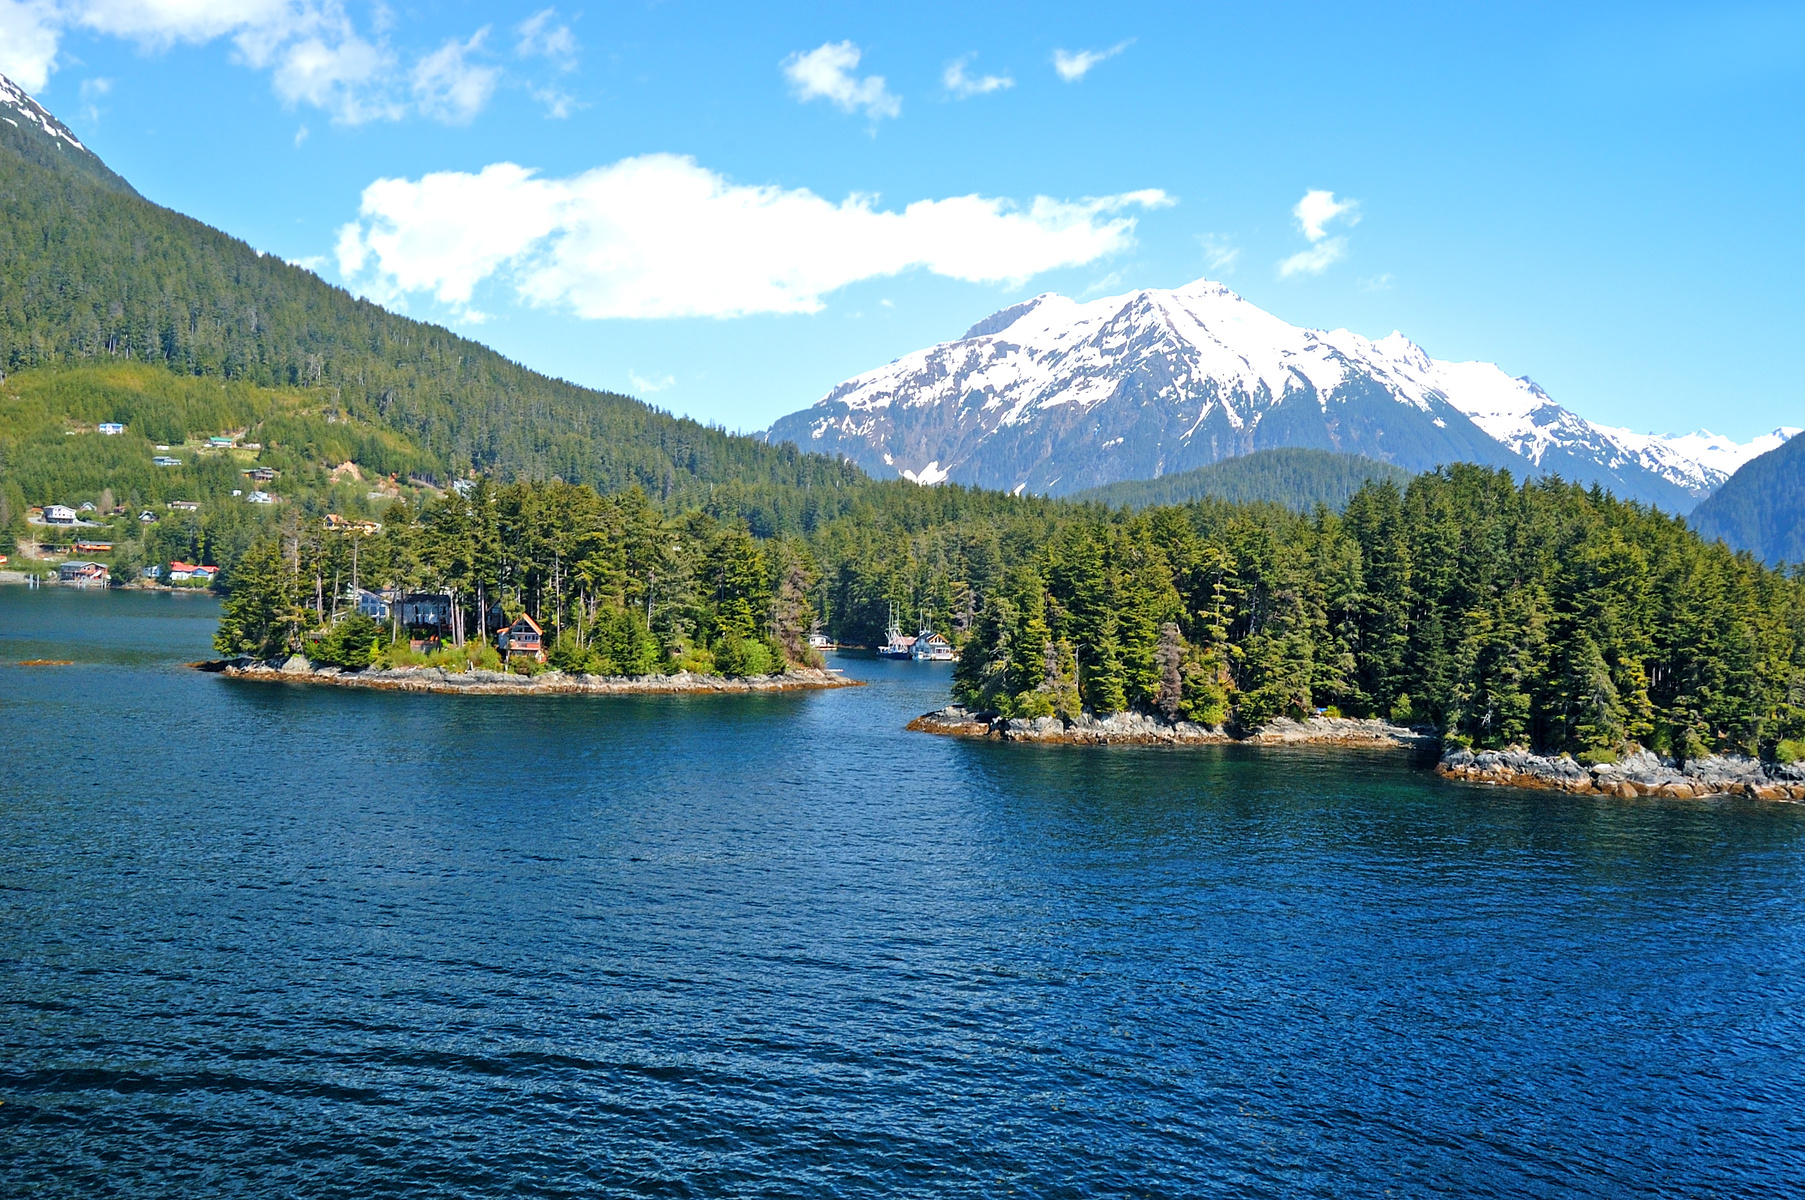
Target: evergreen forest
{"type": "Point", "coordinates": [1499, 613]}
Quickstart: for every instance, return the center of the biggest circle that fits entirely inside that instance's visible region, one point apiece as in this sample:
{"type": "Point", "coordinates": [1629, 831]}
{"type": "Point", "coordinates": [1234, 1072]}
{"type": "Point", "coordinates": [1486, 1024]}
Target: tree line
{"type": "Point", "coordinates": [1501, 613]}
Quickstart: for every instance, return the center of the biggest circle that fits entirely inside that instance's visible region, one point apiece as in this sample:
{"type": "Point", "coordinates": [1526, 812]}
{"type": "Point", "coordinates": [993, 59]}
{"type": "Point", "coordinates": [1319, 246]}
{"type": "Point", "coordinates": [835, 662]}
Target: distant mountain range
{"type": "Point", "coordinates": [1761, 508]}
{"type": "Point", "coordinates": [1057, 396]}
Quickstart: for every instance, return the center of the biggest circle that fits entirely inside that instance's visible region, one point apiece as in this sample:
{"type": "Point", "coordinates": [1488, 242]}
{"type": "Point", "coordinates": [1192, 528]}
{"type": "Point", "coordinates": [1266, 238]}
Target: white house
{"type": "Point", "coordinates": [58, 514]}
{"type": "Point", "coordinates": [110, 428]}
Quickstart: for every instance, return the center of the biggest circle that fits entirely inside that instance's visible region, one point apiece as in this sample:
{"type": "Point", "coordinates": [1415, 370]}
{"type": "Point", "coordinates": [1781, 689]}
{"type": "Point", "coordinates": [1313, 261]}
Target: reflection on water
{"type": "Point", "coordinates": [269, 939]}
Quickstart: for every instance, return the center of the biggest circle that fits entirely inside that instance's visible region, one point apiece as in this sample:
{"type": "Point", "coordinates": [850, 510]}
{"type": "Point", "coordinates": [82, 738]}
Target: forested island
{"type": "Point", "coordinates": [1491, 612]}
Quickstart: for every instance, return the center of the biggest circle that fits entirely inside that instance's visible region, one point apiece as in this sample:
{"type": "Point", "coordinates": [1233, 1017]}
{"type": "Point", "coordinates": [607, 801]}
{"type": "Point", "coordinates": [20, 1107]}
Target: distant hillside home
{"type": "Point", "coordinates": [523, 637]}
{"type": "Point", "coordinates": [163, 460]}
{"type": "Point", "coordinates": [261, 498]}
{"type": "Point", "coordinates": [83, 573]}
{"type": "Point", "coordinates": [370, 604]}
{"type": "Point", "coordinates": [185, 505]}
{"type": "Point", "coordinates": [110, 428]}
{"type": "Point", "coordinates": [147, 517]}
{"type": "Point", "coordinates": [59, 514]}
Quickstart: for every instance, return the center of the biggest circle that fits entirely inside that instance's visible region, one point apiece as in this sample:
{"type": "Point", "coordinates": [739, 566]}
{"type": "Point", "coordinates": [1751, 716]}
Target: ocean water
{"type": "Point", "coordinates": [266, 940]}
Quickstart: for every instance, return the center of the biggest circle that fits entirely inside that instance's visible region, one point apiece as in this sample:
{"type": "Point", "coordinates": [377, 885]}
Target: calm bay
{"type": "Point", "coordinates": [271, 940]}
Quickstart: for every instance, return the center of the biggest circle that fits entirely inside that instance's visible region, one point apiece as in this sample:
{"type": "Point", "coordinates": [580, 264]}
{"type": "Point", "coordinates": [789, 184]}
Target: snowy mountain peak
{"type": "Point", "coordinates": [14, 100]}
{"type": "Point", "coordinates": [1055, 394]}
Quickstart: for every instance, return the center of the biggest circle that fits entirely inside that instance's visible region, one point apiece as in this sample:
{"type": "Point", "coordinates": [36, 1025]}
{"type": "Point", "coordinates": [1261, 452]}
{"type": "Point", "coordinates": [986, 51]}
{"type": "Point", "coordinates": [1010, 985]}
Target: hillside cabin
{"type": "Point", "coordinates": [110, 428]}
{"type": "Point", "coordinates": [221, 443]}
{"type": "Point", "coordinates": [185, 505]}
{"type": "Point", "coordinates": [370, 604]}
{"type": "Point", "coordinates": [59, 514]}
{"type": "Point", "coordinates": [82, 573]}
{"type": "Point", "coordinates": [523, 637]}
{"type": "Point", "coordinates": [147, 517]}
{"type": "Point", "coordinates": [163, 460]}
{"type": "Point", "coordinates": [93, 547]}
{"type": "Point", "coordinates": [261, 498]}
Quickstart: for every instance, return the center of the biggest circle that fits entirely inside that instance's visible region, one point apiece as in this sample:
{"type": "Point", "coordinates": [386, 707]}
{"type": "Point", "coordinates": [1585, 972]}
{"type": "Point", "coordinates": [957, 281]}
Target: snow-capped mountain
{"type": "Point", "coordinates": [1054, 396]}
{"type": "Point", "coordinates": [31, 129]}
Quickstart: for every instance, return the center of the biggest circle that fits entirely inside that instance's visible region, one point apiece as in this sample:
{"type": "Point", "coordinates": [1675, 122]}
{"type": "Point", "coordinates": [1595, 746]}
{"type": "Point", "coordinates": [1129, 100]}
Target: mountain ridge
{"type": "Point", "coordinates": [91, 271]}
{"type": "Point", "coordinates": [1056, 395]}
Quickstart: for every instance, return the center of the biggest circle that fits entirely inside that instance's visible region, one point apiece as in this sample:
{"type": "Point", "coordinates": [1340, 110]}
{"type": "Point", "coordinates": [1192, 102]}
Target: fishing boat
{"type": "Point", "coordinates": [895, 644]}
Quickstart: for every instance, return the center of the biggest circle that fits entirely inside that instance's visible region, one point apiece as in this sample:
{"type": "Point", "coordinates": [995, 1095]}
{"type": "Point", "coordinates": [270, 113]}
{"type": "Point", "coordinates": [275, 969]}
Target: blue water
{"type": "Point", "coordinates": [265, 940]}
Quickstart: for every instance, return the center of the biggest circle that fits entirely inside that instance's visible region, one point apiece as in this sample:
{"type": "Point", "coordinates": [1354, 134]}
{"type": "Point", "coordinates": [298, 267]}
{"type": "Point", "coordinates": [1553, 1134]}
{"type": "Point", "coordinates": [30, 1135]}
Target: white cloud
{"type": "Point", "coordinates": [1315, 260]}
{"type": "Point", "coordinates": [448, 86]}
{"type": "Point", "coordinates": [660, 236]}
{"type": "Point", "coordinates": [641, 384]}
{"type": "Point", "coordinates": [962, 85]}
{"type": "Point", "coordinates": [542, 35]}
{"type": "Point", "coordinates": [825, 73]}
{"type": "Point", "coordinates": [1377, 283]}
{"type": "Point", "coordinates": [1318, 208]}
{"type": "Point", "coordinates": [311, 48]}
{"type": "Point", "coordinates": [27, 43]}
{"type": "Point", "coordinates": [1314, 213]}
{"type": "Point", "coordinates": [1219, 252]}
{"type": "Point", "coordinates": [1075, 66]}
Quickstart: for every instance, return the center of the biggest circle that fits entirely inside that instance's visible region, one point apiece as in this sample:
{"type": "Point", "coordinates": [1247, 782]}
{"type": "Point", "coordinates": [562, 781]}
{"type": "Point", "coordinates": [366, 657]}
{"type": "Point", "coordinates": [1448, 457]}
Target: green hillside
{"type": "Point", "coordinates": [90, 272]}
{"type": "Point", "coordinates": [1761, 508]}
{"type": "Point", "coordinates": [1296, 478]}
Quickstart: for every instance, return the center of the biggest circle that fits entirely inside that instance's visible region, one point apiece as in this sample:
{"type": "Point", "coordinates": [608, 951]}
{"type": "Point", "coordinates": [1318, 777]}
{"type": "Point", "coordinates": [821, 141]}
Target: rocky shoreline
{"type": "Point", "coordinates": [1140, 729]}
{"type": "Point", "coordinates": [1639, 774]}
{"type": "Point", "coordinates": [501, 683]}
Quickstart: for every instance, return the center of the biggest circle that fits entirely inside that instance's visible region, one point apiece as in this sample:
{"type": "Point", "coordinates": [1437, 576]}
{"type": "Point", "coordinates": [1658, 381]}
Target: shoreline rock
{"type": "Point", "coordinates": [1141, 729]}
{"type": "Point", "coordinates": [296, 669]}
{"type": "Point", "coordinates": [1639, 774]}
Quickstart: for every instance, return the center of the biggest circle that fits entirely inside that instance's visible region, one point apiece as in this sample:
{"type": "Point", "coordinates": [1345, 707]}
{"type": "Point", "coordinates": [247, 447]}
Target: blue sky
{"type": "Point", "coordinates": [709, 206]}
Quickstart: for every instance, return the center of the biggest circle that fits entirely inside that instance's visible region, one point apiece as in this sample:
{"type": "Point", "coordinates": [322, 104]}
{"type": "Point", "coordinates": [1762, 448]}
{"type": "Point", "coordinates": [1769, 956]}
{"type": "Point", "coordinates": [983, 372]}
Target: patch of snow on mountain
{"type": "Point", "coordinates": [13, 96]}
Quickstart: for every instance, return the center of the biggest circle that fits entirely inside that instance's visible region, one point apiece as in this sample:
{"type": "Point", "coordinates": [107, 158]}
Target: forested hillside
{"type": "Point", "coordinates": [1761, 508]}
{"type": "Point", "coordinates": [91, 272]}
{"type": "Point", "coordinates": [1295, 477]}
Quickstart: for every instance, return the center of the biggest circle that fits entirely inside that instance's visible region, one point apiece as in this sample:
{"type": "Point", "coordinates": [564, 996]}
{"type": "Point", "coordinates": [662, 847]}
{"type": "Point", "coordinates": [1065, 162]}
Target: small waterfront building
{"type": "Point", "coordinates": [59, 514]}
{"type": "Point", "coordinates": [523, 637]}
{"type": "Point", "coordinates": [84, 573]}
{"type": "Point", "coordinates": [206, 574]}
{"type": "Point", "coordinates": [151, 572]}
{"type": "Point", "coordinates": [110, 428]}
{"type": "Point", "coordinates": [931, 647]}
{"type": "Point", "coordinates": [426, 610]}
{"type": "Point", "coordinates": [180, 572]}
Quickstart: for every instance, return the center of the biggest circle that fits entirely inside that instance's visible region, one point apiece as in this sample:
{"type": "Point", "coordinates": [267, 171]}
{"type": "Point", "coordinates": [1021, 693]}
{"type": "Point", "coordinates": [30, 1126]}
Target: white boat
{"type": "Point", "coordinates": [895, 644]}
